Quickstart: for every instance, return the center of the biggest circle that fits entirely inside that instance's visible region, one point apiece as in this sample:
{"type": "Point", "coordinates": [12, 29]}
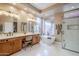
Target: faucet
{"type": "Point", "coordinates": [9, 34]}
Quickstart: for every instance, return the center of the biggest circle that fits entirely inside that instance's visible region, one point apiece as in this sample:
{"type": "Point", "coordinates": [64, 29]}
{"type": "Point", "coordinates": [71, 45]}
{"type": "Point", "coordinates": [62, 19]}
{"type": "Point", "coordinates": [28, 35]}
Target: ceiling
{"type": "Point", "coordinates": [70, 6]}
{"type": "Point", "coordinates": [44, 9]}
{"type": "Point", "coordinates": [42, 6]}
{"type": "Point", "coordinates": [47, 10]}
{"type": "Point", "coordinates": [52, 11]}
{"type": "Point", "coordinates": [72, 14]}
{"type": "Point", "coordinates": [71, 10]}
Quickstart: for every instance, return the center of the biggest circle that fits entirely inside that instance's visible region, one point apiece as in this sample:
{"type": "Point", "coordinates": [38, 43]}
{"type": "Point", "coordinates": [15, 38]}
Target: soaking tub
{"type": "Point", "coordinates": [48, 39]}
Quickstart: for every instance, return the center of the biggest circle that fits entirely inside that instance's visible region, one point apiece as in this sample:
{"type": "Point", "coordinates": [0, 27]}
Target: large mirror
{"type": "Point", "coordinates": [13, 25]}
{"type": "Point", "coordinates": [7, 24]}
{"type": "Point", "coordinates": [30, 26]}
{"type": "Point", "coordinates": [23, 27]}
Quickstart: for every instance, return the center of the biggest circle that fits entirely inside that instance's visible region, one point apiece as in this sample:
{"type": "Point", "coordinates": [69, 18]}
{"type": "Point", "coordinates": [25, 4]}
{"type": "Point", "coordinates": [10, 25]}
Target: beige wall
{"type": "Point", "coordinates": [58, 20]}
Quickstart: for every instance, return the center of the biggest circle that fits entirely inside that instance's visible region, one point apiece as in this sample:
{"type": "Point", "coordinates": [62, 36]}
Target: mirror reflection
{"type": "Point", "coordinates": [7, 24]}
{"type": "Point", "coordinates": [11, 24]}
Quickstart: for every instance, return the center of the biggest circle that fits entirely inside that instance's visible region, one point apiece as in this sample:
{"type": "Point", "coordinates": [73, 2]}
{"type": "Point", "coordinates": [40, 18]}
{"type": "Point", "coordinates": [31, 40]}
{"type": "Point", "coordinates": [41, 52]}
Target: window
{"type": "Point", "coordinates": [37, 27]}
{"type": "Point", "coordinates": [49, 28]}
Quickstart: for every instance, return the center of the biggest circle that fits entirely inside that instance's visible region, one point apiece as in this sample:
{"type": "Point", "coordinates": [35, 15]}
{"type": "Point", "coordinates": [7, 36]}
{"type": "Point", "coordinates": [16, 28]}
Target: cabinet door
{"type": "Point", "coordinates": [17, 44]}
{"type": "Point", "coordinates": [6, 48]}
{"type": "Point", "coordinates": [38, 38]}
{"type": "Point", "coordinates": [11, 44]}
{"type": "Point", "coordinates": [35, 39]}
{"type": "Point", "coordinates": [1, 49]}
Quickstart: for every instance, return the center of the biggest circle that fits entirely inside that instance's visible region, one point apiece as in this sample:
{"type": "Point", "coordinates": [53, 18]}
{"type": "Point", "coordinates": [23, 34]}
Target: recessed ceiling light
{"type": "Point", "coordinates": [72, 7]}
{"type": "Point", "coordinates": [25, 8]}
{"type": "Point", "coordinates": [22, 12]}
{"type": "Point", "coordinates": [71, 13]}
{"type": "Point", "coordinates": [14, 3]}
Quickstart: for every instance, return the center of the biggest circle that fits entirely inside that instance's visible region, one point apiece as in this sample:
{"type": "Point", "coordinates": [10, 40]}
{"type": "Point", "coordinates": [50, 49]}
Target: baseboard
{"type": "Point", "coordinates": [70, 50]}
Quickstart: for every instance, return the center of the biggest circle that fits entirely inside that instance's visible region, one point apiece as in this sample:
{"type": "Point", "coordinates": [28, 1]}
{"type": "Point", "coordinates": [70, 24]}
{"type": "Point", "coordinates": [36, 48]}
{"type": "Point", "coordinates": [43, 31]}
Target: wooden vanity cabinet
{"type": "Point", "coordinates": [35, 39]}
{"type": "Point", "coordinates": [10, 46]}
{"type": "Point", "coordinates": [6, 47]}
{"type": "Point", "coordinates": [17, 44]}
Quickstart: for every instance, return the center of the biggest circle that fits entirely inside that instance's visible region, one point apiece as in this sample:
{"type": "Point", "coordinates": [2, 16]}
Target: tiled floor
{"type": "Point", "coordinates": [43, 49]}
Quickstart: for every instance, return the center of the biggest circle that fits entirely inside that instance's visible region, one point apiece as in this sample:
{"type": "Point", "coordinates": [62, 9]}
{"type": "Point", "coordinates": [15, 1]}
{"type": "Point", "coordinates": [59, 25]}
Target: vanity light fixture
{"type": "Point", "coordinates": [12, 9]}
{"type": "Point", "coordinates": [9, 14]}
{"type": "Point", "coordinates": [13, 3]}
{"type": "Point", "coordinates": [25, 9]}
{"type": "Point", "coordinates": [31, 19]}
{"type": "Point", "coordinates": [14, 15]}
{"type": "Point", "coordinates": [4, 13]}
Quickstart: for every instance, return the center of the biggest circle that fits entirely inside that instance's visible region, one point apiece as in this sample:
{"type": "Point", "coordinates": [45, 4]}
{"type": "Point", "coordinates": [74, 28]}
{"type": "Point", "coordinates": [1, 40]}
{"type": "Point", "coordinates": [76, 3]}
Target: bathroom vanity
{"type": "Point", "coordinates": [12, 44]}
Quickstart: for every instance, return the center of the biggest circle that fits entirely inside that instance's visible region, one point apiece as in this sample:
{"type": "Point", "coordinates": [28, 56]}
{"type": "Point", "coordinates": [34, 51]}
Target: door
{"type": "Point", "coordinates": [70, 37]}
